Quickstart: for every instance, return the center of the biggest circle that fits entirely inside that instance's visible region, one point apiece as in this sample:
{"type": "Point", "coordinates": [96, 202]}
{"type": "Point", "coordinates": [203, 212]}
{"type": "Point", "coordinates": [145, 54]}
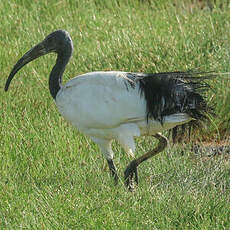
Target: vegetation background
{"type": "Point", "coordinates": [51, 176]}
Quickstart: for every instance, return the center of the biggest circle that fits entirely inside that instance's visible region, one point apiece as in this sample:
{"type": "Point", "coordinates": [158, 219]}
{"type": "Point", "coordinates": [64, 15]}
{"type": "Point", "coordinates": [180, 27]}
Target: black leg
{"type": "Point", "coordinates": [131, 169]}
{"type": "Point", "coordinates": [113, 170]}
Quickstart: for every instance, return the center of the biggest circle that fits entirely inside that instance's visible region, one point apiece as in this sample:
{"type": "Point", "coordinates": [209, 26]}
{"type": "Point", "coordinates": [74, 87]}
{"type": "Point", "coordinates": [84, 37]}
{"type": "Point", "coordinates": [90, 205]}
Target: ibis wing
{"type": "Point", "coordinates": [101, 100]}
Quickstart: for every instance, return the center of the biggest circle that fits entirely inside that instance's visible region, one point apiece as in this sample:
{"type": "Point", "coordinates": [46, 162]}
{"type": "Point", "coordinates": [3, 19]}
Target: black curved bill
{"type": "Point", "coordinates": [29, 56]}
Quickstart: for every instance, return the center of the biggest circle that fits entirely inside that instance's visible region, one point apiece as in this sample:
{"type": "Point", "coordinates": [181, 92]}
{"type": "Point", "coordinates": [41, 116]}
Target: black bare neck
{"type": "Point", "coordinates": [55, 79]}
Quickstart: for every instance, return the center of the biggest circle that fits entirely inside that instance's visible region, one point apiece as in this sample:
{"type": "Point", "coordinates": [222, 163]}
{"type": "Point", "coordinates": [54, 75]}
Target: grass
{"type": "Point", "coordinates": [51, 176]}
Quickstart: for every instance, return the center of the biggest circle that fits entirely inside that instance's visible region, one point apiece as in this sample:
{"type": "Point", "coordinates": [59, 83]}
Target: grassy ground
{"type": "Point", "coordinates": [51, 176]}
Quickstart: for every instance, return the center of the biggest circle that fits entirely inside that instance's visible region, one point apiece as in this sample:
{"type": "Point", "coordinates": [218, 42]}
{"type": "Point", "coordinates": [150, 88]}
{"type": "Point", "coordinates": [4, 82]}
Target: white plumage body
{"type": "Point", "coordinates": [104, 106]}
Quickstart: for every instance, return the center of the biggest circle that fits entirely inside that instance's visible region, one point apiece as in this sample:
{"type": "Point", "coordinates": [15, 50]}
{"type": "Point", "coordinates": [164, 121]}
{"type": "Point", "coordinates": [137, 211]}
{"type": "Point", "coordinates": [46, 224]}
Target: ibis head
{"type": "Point", "coordinates": [58, 42]}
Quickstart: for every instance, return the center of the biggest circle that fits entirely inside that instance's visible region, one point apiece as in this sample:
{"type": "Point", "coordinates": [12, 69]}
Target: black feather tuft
{"type": "Point", "coordinates": [173, 92]}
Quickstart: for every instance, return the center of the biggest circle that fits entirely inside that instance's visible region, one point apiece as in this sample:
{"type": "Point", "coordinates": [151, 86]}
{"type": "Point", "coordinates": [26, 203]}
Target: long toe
{"type": "Point", "coordinates": [113, 170]}
{"type": "Point", "coordinates": [129, 173]}
{"type": "Point", "coordinates": [115, 176]}
{"type": "Point", "coordinates": [128, 176]}
{"type": "Point", "coordinates": [136, 175]}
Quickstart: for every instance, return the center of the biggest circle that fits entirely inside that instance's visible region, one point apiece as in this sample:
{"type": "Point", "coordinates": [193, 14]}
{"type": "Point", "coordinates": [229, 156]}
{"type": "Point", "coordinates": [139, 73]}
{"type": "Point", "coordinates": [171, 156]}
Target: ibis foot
{"type": "Point", "coordinates": [130, 174]}
{"type": "Point", "coordinates": [113, 171]}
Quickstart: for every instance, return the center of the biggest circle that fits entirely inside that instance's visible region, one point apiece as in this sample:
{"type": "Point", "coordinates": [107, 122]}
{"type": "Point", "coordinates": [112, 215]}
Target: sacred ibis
{"type": "Point", "coordinates": [118, 105]}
